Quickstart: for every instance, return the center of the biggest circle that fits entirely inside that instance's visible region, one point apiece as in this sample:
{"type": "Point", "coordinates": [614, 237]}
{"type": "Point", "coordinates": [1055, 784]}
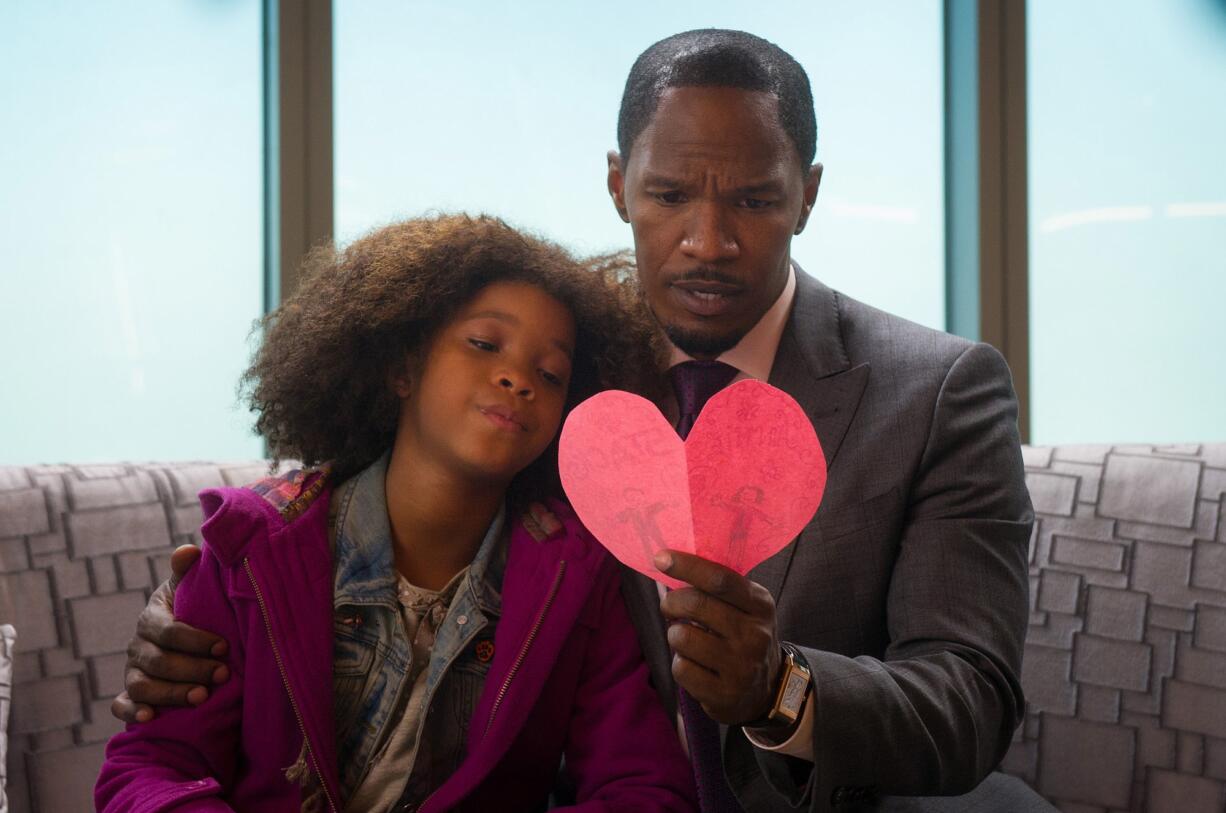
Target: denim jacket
{"type": "Point", "coordinates": [372, 655]}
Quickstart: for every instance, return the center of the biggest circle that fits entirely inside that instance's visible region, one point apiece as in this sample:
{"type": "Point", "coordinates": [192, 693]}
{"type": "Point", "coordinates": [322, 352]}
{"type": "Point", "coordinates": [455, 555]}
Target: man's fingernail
{"type": "Point", "coordinates": [221, 674]}
{"type": "Point", "coordinates": [662, 560]}
{"type": "Point", "coordinates": [144, 716]}
{"type": "Point", "coordinates": [197, 695]}
{"type": "Point", "coordinates": [218, 649]}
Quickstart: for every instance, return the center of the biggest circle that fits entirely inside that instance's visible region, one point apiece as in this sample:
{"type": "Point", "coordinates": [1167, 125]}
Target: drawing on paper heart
{"type": "Point", "coordinates": [743, 484]}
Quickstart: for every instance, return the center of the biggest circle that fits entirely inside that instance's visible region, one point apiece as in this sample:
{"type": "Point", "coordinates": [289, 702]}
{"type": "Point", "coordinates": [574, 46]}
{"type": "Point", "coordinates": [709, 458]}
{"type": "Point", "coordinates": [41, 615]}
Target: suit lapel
{"type": "Point", "coordinates": [812, 366]}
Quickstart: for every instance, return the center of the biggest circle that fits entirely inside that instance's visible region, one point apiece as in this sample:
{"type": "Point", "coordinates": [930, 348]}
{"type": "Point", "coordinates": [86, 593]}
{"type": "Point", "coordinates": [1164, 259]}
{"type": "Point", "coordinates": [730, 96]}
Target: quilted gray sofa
{"type": "Point", "coordinates": [1125, 665]}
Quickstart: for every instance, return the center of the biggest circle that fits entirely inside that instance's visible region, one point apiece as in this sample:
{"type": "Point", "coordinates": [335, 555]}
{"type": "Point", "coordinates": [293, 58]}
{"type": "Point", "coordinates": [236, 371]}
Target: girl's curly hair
{"type": "Point", "coordinates": [320, 383]}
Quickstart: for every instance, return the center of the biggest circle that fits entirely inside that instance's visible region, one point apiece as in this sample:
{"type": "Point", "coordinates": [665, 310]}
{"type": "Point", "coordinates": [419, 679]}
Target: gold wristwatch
{"type": "Point", "coordinates": [793, 689]}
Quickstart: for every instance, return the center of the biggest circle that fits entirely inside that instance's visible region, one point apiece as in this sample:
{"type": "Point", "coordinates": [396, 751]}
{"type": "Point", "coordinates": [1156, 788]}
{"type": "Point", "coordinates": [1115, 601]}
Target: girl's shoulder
{"type": "Point", "coordinates": [555, 526]}
{"type": "Point", "coordinates": [292, 492]}
{"type": "Point", "coordinates": [235, 518]}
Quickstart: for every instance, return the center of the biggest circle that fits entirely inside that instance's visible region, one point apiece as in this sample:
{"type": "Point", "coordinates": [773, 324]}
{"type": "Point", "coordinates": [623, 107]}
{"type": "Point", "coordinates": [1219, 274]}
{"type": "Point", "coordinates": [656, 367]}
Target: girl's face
{"type": "Point", "coordinates": [489, 397]}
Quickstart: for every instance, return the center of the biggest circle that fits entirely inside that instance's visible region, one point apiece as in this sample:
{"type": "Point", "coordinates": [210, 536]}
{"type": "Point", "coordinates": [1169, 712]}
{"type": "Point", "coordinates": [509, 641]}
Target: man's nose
{"type": "Point", "coordinates": [708, 238]}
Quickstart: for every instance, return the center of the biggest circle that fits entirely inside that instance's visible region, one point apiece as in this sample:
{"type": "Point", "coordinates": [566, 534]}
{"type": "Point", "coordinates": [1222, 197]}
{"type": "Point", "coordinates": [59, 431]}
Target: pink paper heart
{"type": "Point", "coordinates": [738, 490]}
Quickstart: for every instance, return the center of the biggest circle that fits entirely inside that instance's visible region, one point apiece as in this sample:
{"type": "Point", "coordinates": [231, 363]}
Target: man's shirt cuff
{"type": "Point", "coordinates": [799, 745]}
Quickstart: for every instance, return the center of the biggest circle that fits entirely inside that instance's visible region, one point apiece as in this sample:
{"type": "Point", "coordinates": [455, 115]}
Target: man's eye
{"type": "Point", "coordinates": [482, 344]}
{"type": "Point", "coordinates": [756, 203]}
{"type": "Point", "coordinates": [670, 197]}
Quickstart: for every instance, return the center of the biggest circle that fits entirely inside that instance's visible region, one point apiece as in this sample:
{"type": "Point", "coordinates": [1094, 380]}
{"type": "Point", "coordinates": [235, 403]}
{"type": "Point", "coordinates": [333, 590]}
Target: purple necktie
{"type": "Point", "coordinates": [694, 382]}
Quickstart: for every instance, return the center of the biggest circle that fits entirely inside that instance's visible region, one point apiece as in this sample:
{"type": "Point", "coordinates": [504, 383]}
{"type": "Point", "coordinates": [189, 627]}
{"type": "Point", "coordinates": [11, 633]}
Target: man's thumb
{"type": "Point", "coordinates": [181, 561]}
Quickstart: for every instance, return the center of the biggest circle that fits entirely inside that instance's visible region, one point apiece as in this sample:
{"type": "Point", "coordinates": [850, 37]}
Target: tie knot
{"type": "Point", "coordinates": [694, 382]}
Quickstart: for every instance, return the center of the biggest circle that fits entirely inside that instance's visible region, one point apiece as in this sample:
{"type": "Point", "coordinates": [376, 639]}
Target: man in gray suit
{"type": "Point", "coordinates": [879, 654]}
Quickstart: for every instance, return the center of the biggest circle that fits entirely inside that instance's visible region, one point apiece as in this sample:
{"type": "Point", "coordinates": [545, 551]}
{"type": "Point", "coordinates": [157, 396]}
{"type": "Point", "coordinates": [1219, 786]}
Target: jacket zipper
{"type": "Point", "coordinates": [523, 652]}
{"type": "Point", "coordinates": [519, 659]}
{"type": "Point", "coordinates": [276, 653]}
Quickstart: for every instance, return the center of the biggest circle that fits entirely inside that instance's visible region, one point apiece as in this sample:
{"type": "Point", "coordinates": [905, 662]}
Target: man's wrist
{"type": "Point", "coordinates": [791, 693]}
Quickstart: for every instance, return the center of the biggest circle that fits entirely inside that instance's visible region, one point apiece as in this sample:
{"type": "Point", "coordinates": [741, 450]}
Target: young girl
{"type": "Point", "coordinates": [398, 639]}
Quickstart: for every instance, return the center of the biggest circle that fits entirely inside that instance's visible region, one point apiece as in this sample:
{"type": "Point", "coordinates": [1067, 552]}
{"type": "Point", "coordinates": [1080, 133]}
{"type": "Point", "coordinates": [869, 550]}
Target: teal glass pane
{"type": "Point", "coordinates": [510, 108]}
{"type": "Point", "coordinates": [130, 228]}
{"type": "Point", "coordinates": [1127, 124]}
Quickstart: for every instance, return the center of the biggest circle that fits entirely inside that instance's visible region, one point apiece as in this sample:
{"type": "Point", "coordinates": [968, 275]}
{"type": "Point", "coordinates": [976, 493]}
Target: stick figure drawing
{"type": "Point", "coordinates": [643, 517]}
{"type": "Point", "coordinates": [744, 507]}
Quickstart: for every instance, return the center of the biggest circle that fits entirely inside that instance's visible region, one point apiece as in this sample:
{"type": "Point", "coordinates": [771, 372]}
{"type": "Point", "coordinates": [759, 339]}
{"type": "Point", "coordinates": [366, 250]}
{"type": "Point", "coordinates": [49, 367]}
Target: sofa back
{"type": "Point", "coordinates": [81, 548]}
{"type": "Point", "coordinates": [1125, 663]}
{"type": "Point", "coordinates": [1125, 669]}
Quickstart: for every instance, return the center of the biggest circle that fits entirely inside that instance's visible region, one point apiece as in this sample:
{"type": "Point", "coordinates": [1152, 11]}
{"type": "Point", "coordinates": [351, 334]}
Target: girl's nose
{"type": "Point", "coordinates": [507, 382]}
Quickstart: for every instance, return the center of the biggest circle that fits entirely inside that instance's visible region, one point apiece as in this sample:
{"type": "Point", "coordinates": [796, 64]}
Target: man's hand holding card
{"type": "Point", "coordinates": [697, 515]}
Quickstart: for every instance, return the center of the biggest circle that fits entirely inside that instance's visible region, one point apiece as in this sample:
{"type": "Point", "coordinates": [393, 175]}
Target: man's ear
{"type": "Point", "coordinates": [617, 185]}
{"type": "Point", "coordinates": [813, 179]}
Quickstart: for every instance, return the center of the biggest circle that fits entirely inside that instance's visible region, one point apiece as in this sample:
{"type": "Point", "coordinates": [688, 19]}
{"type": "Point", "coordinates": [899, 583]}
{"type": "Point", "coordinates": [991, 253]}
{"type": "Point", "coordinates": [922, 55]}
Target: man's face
{"type": "Point", "coordinates": [713, 191]}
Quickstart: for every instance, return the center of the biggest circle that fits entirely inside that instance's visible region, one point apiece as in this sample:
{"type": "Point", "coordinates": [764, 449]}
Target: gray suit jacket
{"type": "Point", "coordinates": [907, 593]}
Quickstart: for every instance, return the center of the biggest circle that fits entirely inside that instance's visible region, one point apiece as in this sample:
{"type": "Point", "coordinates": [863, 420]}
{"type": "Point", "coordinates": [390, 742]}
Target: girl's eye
{"type": "Point", "coordinates": [482, 344]}
{"type": "Point", "coordinates": [551, 378]}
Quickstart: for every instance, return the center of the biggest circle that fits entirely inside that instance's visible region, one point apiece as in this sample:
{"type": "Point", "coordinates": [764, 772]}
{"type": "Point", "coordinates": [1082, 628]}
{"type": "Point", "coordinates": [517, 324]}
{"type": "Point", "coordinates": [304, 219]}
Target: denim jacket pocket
{"type": "Point", "coordinates": [353, 660]}
{"type": "Point", "coordinates": [469, 674]}
{"type": "Point", "coordinates": [460, 690]}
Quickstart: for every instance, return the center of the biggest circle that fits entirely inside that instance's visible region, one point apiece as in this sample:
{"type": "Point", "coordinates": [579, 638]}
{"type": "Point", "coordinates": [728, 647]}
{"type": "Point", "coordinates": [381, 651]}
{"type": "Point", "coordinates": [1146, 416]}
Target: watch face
{"type": "Point", "coordinates": [794, 692]}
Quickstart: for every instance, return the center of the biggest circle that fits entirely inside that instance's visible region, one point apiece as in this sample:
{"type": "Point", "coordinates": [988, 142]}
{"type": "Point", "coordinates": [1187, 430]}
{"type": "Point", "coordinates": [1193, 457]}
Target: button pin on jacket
{"type": "Point", "coordinates": [485, 651]}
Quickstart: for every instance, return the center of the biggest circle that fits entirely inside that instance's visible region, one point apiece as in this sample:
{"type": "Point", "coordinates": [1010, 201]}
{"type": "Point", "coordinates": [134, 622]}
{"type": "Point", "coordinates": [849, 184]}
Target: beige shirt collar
{"type": "Point", "coordinates": [754, 355]}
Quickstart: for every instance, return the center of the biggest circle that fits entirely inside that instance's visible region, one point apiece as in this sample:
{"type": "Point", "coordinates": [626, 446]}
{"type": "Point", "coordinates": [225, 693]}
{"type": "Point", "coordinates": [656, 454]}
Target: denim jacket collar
{"type": "Point", "coordinates": [365, 567]}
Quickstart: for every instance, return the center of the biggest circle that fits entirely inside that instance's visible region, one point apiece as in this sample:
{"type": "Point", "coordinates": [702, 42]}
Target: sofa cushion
{"type": "Point", "coordinates": [1125, 662]}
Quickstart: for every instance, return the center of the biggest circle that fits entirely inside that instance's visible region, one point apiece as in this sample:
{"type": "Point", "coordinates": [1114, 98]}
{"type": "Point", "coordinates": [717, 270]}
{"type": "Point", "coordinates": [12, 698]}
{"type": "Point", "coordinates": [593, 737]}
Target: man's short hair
{"type": "Point", "coordinates": [716, 57]}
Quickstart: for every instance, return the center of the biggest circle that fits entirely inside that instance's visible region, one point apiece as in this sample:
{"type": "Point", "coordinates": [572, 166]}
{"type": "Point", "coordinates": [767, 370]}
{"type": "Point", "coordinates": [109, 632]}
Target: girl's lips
{"type": "Point", "coordinates": [503, 418]}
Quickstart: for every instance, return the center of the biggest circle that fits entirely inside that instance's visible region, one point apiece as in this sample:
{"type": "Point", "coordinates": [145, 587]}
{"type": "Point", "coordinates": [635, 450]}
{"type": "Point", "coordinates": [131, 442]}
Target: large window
{"type": "Point", "coordinates": [1127, 109]}
{"type": "Point", "coordinates": [510, 108]}
{"type": "Point", "coordinates": [132, 208]}
{"type": "Point", "coordinates": [130, 228]}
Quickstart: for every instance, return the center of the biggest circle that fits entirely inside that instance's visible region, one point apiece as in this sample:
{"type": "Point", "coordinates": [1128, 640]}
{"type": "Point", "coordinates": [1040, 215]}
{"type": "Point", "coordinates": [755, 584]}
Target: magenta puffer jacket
{"type": "Point", "coordinates": [567, 677]}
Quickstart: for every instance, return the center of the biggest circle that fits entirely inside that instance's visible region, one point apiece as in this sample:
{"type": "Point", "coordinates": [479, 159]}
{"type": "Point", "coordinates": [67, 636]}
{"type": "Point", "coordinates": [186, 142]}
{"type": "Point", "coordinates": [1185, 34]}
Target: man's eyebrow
{"type": "Point", "coordinates": [656, 179]}
{"type": "Point", "coordinates": [768, 187]}
{"type": "Point", "coordinates": [772, 187]}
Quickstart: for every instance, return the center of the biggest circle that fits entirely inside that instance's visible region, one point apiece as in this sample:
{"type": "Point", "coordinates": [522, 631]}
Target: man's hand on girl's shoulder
{"type": "Point", "coordinates": [169, 663]}
{"type": "Point", "coordinates": [173, 664]}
